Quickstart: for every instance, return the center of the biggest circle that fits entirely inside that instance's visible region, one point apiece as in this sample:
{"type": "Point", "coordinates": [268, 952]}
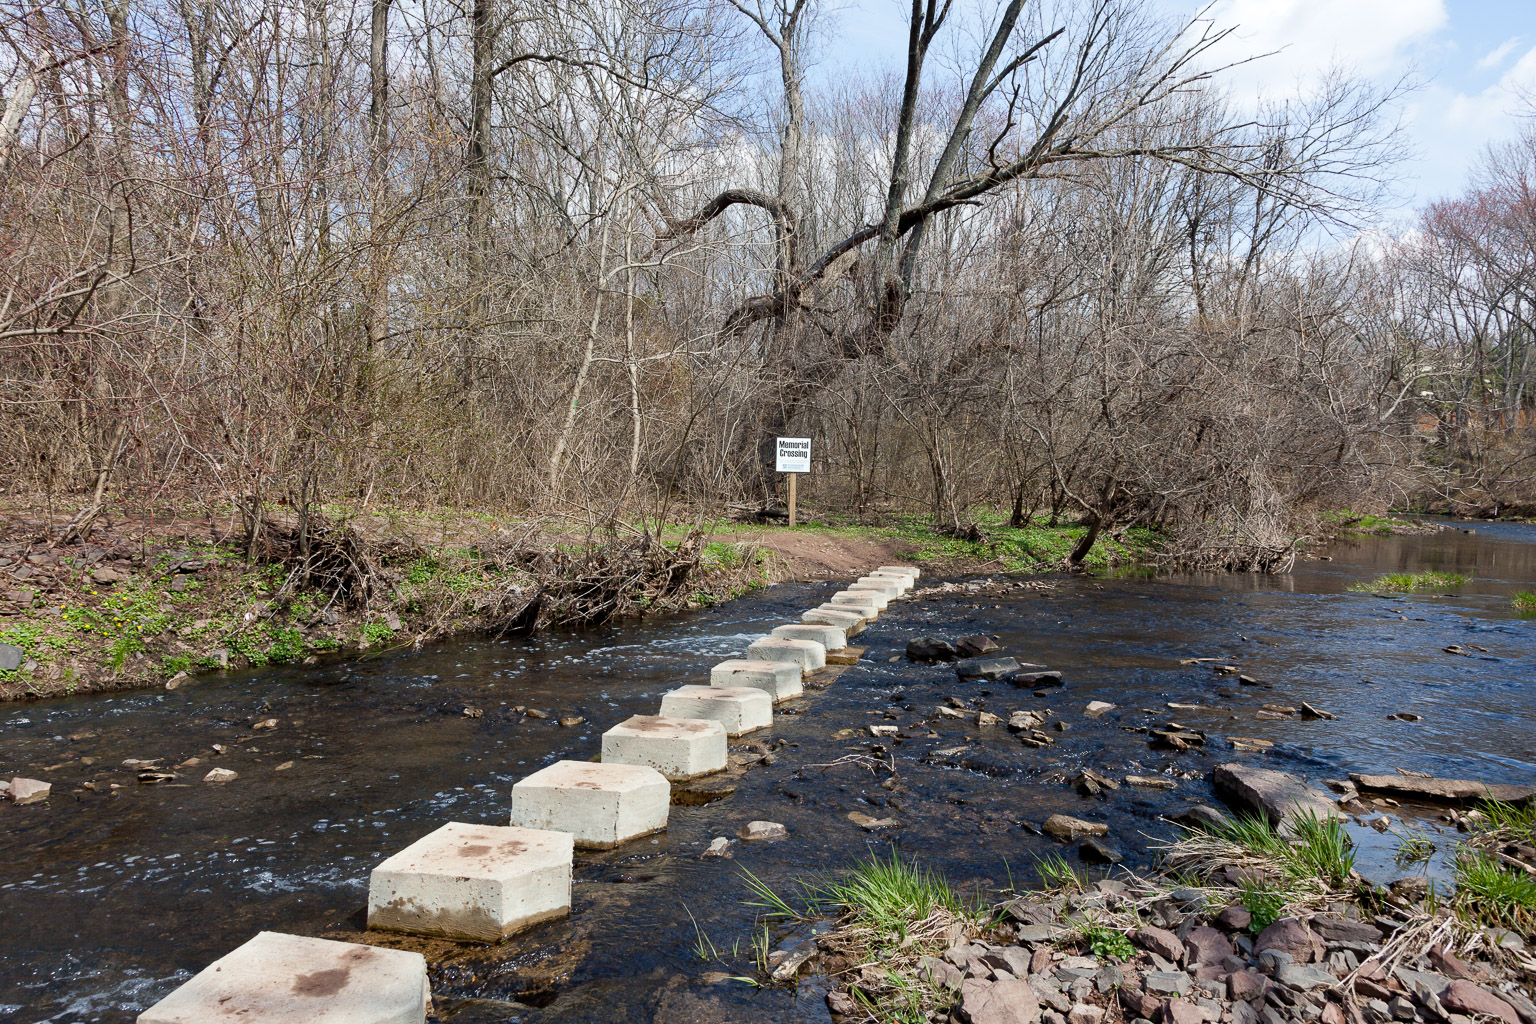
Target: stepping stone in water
{"type": "Point", "coordinates": [886, 585]}
{"type": "Point", "coordinates": [908, 570]}
{"type": "Point", "coordinates": [780, 679]}
{"type": "Point", "coordinates": [907, 582]}
{"type": "Point", "coordinates": [830, 637]}
{"type": "Point", "coordinates": [479, 882]}
{"type": "Point", "coordinates": [841, 616]}
{"type": "Point", "coordinates": [680, 748]}
{"type": "Point", "coordinates": [600, 805]}
{"type": "Point", "coordinates": [860, 599]}
{"type": "Point", "coordinates": [808, 654]}
{"type": "Point", "coordinates": [278, 977]}
{"type": "Point", "coordinates": [738, 709]}
{"type": "Point", "coordinates": [879, 591]}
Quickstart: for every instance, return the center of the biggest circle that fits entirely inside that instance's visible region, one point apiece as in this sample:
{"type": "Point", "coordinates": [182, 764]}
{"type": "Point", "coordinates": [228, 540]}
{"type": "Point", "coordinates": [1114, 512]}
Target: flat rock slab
{"type": "Point", "coordinates": [27, 791]}
{"type": "Point", "coordinates": [808, 654]}
{"type": "Point", "coordinates": [830, 637]}
{"type": "Point", "coordinates": [781, 680]}
{"type": "Point", "coordinates": [844, 618]}
{"type": "Point", "coordinates": [985, 668]}
{"type": "Point", "coordinates": [876, 598]}
{"type": "Point", "coordinates": [289, 979]}
{"type": "Point", "coordinates": [738, 709]}
{"type": "Point", "coordinates": [601, 805]}
{"type": "Point", "coordinates": [1451, 790]}
{"type": "Point", "coordinates": [478, 882]}
{"type": "Point", "coordinates": [679, 747]}
{"type": "Point", "coordinates": [1276, 795]}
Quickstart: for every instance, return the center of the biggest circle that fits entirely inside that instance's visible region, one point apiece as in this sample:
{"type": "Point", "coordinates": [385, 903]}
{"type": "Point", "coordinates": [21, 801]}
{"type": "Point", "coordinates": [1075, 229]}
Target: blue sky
{"type": "Point", "coordinates": [1472, 58]}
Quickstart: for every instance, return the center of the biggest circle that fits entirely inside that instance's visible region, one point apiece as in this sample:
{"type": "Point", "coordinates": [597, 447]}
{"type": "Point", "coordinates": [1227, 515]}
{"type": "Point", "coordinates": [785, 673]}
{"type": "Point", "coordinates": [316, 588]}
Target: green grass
{"type": "Point", "coordinates": [1363, 524]}
{"type": "Point", "coordinates": [125, 619]}
{"type": "Point", "coordinates": [891, 895]}
{"type": "Point", "coordinates": [1108, 943]}
{"type": "Point", "coordinates": [1414, 848]}
{"type": "Point", "coordinates": [1057, 873]}
{"type": "Point", "coordinates": [1512, 822]}
{"type": "Point", "coordinates": [1490, 892]}
{"type": "Point", "coordinates": [1524, 604]}
{"type": "Point", "coordinates": [1318, 849]}
{"type": "Point", "coordinates": [1264, 905]}
{"type": "Point", "coordinates": [1409, 582]}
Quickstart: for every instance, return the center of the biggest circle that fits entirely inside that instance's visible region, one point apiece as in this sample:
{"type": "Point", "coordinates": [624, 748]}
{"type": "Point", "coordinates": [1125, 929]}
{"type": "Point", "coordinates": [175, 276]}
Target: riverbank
{"type": "Point", "coordinates": [156, 596]}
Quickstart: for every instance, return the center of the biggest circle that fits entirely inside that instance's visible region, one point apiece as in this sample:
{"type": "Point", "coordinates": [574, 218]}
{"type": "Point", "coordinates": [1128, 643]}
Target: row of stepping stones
{"type": "Point", "coordinates": [486, 882]}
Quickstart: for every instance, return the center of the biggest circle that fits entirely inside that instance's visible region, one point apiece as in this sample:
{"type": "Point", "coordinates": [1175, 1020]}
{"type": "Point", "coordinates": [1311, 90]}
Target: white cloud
{"type": "Point", "coordinates": [1496, 56]}
{"type": "Point", "coordinates": [1305, 37]}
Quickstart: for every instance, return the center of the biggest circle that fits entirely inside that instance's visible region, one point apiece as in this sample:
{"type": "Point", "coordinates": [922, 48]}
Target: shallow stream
{"type": "Point", "coordinates": [109, 898]}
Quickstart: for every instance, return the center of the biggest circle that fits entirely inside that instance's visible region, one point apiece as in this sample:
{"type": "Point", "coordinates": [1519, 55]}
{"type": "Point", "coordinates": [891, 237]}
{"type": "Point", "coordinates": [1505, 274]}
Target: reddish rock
{"type": "Point", "coordinates": [1206, 945]}
{"type": "Point", "coordinates": [1291, 936]}
{"type": "Point", "coordinates": [1449, 964]}
{"type": "Point", "coordinates": [1182, 1011]}
{"type": "Point", "coordinates": [1138, 1003]}
{"type": "Point", "coordinates": [1156, 940]}
{"type": "Point", "coordinates": [1246, 985]}
{"type": "Point", "coordinates": [1235, 918]}
{"type": "Point", "coordinates": [841, 1004]}
{"type": "Point", "coordinates": [1461, 996]}
{"type": "Point", "coordinates": [1008, 1001]}
{"type": "Point", "coordinates": [1040, 960]}
{"type": "Point", "coordinates": [27, 791]}
{"type": "Point", "coordinates": [1333, 1013]}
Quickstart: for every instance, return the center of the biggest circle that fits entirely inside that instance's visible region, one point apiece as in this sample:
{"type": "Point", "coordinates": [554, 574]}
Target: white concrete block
{"type": "Point", "coordinates": [910, 570]}
{"type": "Point", "coordinates": [890, 588]}
{"type": "Point", "coordinates": [600, 805]}
{"type": "Point", "coordinates": [738, 709]}
{"type": "Point", "coordinates": [901, 583]}
{"type": "Point", "coordinates": [808, 654]}
{"type": "Point", "coordinates": [857, 595]}
{"type": "Point", "coordinates": [679, 747]}
{"type": "Point", "coordinates": [862, 604]}
{"type": "Point", "coordinates": [841, 616]}
{"type": "Point", "coordinates": [830, 637]}
{"type": "Point", "coordinates": [779, 679]}
{"type": "Point", "coordinates": [479, 882]}
{"type": "Point", "coordinates": [278, 979]}
{"type": "Point", "coordinates": [910, 579]}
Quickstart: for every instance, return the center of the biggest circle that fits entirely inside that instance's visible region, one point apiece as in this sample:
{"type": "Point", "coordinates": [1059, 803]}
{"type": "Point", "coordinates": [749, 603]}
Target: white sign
{"type": "Point", "coordinates": [794, 455]}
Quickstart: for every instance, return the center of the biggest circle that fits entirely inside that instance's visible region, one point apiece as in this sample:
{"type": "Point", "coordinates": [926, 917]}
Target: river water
{"type": "Point", "coordinates": [109, 898]}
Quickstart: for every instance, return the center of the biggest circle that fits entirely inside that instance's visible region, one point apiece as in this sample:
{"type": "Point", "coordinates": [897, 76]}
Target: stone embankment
{"type": "Point", "coordinates": [480, 882]}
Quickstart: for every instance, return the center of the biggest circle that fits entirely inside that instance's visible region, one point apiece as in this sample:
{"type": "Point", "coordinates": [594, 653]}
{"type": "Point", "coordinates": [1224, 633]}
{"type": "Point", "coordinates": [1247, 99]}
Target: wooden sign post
{"type": "Point", "coordinates": [792, 456]}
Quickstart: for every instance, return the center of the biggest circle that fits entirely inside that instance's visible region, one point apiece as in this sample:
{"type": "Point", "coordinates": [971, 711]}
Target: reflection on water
{"type": "Point", "coordinates": [109, 897]}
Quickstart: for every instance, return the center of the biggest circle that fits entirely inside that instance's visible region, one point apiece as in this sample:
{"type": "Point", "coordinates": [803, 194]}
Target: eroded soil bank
{"type": "Point", "coordinates": [111, 896]}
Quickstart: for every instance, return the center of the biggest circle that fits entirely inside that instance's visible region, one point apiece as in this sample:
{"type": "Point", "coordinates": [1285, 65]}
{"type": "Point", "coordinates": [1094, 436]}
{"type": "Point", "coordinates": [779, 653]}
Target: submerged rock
{"type": "Point", "coordinates": [1453, 790]}
{"type": "Point", "coordinates": [975, 646]}
{"type": "Point", "coordinates": [754, 830]}
{"type": "Point", "coordinates": [1065, 826]}
{"type": "Point", "coordinates": [986, 668]}
{"type": "Point", "coordinates": [927, 648]}
{"type": "Point", "coordinates": [27, 791]}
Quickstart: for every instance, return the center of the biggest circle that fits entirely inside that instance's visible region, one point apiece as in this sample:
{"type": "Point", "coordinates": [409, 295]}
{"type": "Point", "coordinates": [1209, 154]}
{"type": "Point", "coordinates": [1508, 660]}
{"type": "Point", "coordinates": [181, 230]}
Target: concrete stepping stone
{"type": "Point", "coordinates": [280, 978]}
{"type": "Point", "coordinates": [860, 604]}
{"type": "Point", "coordinates": [779, 679]}
{"type": "Point", "coordinates": [910, 570]}
{"type": "Point", "coordinates": [841, 616]}
{"type": "Point", "coordinates": [479, 882]}
{"type": "Point", "coordinates": [677, 746]}
{"type": "Point", "coordinates": [906, 579]}
{"type": "Point", "coordinates": [830, 637]}
{"type": "Point", "coordinates": [600, 805]}
{"type": "Point", "coordinates": [738, 709]}
{"type": "Point", "coordinates": [900, 584]}
{"type": "Point", "coordinates": [862, 596]}
{"type": "Point", "coordinates": [808, 654]}
{"type": "Point", "coordinates": [890, 588]}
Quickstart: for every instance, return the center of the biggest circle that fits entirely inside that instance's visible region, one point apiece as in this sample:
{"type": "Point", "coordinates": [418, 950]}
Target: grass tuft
{"type": "Point", "coordinates": [1409, 582]}
{"type": "Point", "coordinates": [1524, 604]}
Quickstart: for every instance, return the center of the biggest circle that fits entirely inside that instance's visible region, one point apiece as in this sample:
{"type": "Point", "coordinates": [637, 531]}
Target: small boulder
{"type": "Point", "coordinates": [1206, 945]}
{"type": "Point", "coordinates": [217, 775]}
{"type": "Point", "coordinates": [1096, 708]}
{"type": "Point", "coordinates": [1091, 851]}
{"type": "Point", "coordinates": [1182, 1011]}
{"type": "Point", "coordinates": [1462, 996]}
{"type": "Point", "coordinates": [1301, 978]}
{"type": "Point", "coordinates": [927, 648]}
{"type": "Point", "coordinates": [1006, 1001]}
{"type": "Point", "coordinates": [27, 791]}
{"type": "Point", "coordinates": [107, 576]}
{"type": "Point", "coordinates": [1064, 826]}
{"type": "Point", "coordinates": [1028, 677]}
{"type": "Point", "coordinates": [1235, 918]}
{"type": "Point", "coordinates": [1276, 795]}
{"type": "Point", "coordinates": [1160, 941]}
{"type": "Point", "coordinates": [985, 668]}
{"type": "Point", "coordinates": [720, 846]}
{"type": "Point", "coordinates": [11, 657]}
{"type": "Point", "coordinates": [1292, 937]}
{"type": "Point", "coordinates": [975, 646]}
{"type": "Point", "coordinates": [754, 830]}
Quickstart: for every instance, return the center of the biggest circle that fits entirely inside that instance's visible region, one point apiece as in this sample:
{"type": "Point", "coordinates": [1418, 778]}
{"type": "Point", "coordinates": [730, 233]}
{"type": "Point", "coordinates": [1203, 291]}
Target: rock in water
{"type": "Point", "coordinates": [1276, 795]}
{"type": "Point", "coordinates": [763, 830]}
{"type": "Point", "coordinates": [986, 668]}
{"type": "Point", "coordinates": [1454, 790]}
{"type": "Point", "coordinates": [217, 775]}
{"type": "Point", "coordinates": [28, 791]}
{"type": "Point", "coordinates": [1094, 852]}
{"type": "Point", "coordinates": [975, 646]}
{"type": "Point", "coordinates": [1067, 827]}
{"type": "Point", "coordinates": [927, 648]}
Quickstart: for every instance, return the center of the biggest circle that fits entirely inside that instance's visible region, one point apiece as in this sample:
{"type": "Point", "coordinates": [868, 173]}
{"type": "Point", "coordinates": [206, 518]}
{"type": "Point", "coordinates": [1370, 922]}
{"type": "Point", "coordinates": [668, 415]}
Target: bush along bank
{"type": "Point", "coordinates": [121, 611]}
{"type": "Point", "coordinates": [1243, 923]}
